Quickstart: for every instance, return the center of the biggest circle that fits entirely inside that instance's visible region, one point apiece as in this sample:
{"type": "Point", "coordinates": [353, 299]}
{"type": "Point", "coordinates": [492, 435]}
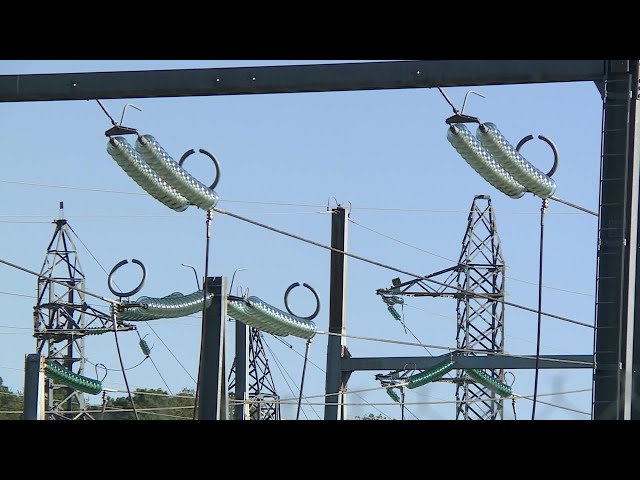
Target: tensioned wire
{"type": "Point", "coordinates": [115, 326]}
{"type": "Point", "coordinates": [324, 371]}
{"type": "Point", "coordinates": [152, 329]}
{"type": "Point", "coordinates": [174, 322]}
{"type": "Point", "coordinates": [285, 204]}
{"type": "Point", "coordinates": [456, 262]}
{"type": "Point", "coordinates": [151, 412]}
{"type": "Point", "coordinates": [451, 350]}
{"type": "Point", "coordinates": [447, 317]}
{"type": "Point", "coordinates": [324, 246]}
{"type": "Point", "coordinates": [368, 338]}
{"type": "Point", "coordinates": [449, 402]}
{"type": "Point", "coordinates": [395, 269]}
{"type": "Point", "coordinates": [293, 400]}
{"type": "Point", "coordinates": [71, 287]}
{"type": "Point", "coordinates": [280, 368]}
{"type": "Point", "coordinates": [114, 302]}
{"type": "Point", "coordinates": [328, 248]}
{"type": "Point", "coordinates": [440, 347]}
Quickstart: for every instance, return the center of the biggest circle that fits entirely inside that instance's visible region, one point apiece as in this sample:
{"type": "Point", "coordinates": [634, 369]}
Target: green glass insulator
{"type": "Point", "coordinates": [144, 346]}
{"type": "Point", "coordinates": [58, 372]}
{"type": "Point", "coordinates": [394, 313]}
{"type": "Point", "coordinates": [429, 375]}
{"type": "Point", "coordinates": [490, 382]}
{"type": "Point", "coordinates": [394, 396]}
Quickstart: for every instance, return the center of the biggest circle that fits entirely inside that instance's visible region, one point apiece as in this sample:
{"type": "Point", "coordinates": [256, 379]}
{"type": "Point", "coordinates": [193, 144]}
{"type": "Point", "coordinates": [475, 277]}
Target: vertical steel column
{"type": "Point", "coordinates": [336, 345]}
{"type": "Point", "coordinates": [633, 341]}
{"type": "Point", "coordinates": [212, 402]}
{"type": "Point", "coordinates": [33, 408]}
{"type": "Point", "coordinates": [617, 244]}
{"type": "Point", "coordinates": [241, 411]}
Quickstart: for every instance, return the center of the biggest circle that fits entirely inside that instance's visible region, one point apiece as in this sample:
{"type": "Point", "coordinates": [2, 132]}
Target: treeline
{"type": "Point", "coordinates": [151, 404]}
{"type": "Point", "coordinates": [9, 402]}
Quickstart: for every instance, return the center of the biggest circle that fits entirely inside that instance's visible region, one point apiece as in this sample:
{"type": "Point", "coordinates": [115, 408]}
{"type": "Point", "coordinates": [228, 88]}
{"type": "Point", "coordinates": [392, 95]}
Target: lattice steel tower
{"type": "Point", "coordinates": [61, 320]}
{"type": "Point", "coordinates": [260, 384]}
{"type": "Point", "coordinates": [59, 316]}
{"type": "Point", "coordinates": [480, 320]}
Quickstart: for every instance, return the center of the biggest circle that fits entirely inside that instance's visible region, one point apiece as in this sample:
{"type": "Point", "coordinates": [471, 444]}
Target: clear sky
{"type": "Point", "coordinates": [284, 158]}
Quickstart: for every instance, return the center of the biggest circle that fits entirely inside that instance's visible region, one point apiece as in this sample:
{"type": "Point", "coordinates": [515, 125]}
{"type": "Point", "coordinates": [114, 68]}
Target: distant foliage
{"type": "Point", "coordinates": [165, 407]}
{"type": "Point", "coordinates": [371, 416]}
{"type": "Point", "coordinates": [10, 402]}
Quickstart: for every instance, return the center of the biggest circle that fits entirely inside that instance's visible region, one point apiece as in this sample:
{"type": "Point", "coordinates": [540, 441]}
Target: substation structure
{"type": "Point", "coordinates": [477, 284]}
{"type": "Point", "coordinates": [62, 319]}
{"type": "Point", "coordinates": [250, 378]}
{"type": "Point", "coordinates": [617, 340]}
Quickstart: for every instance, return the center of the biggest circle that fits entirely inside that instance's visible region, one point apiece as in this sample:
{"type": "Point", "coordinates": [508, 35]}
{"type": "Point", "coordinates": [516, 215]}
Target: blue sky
{"type": "Point", "coordinates": [384, 153]}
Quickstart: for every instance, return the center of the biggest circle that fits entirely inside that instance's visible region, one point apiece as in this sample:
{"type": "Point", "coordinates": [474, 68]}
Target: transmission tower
{"type": "Point", "coordinates": [477, 284]}
{"type": "Point", "coordinates": [62, 318]}
{"type": "Point", "coordinates": [480, 319]}
{"type": "Point", "coordinates": [264, 401]}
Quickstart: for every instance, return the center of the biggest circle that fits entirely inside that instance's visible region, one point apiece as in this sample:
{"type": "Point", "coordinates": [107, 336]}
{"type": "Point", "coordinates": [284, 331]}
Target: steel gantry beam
{"type": "Point", "coordinates": [294, 78]}
{"type": "Point", "coordinates": [490, 362]}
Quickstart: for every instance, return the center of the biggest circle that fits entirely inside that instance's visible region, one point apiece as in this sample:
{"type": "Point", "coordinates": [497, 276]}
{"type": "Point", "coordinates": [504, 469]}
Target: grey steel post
{"type": "Point", "coordinates": [336, 345]}
{"type": "Point", "coordinates": [241, 411]}
{"type": "Point", "coordinates": [33, 387]}
{"type": "Point", "coordinates": [617, 245]}
{"type": "Point", "coordinates": [212, 402]}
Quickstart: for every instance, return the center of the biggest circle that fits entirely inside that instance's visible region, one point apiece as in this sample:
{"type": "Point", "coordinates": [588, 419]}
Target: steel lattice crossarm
{"type": "Point", "coordinates": [443, 288]}
{"type": "Point", "coordinates": [96, 321]}
{"type": "Point", "coordinates": [423, 288]}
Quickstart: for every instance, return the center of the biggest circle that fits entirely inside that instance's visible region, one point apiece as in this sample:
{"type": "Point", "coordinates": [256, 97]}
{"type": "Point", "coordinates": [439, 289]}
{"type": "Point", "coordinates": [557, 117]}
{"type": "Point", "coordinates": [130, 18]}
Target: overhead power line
{"type": "Point", "coordinates": [395, 269]}
{"type": "Point", "coordinates": [449, 349]}
{"type": "Point", "coordinates": [281, 368]}
{"type": "Point", "coordinates": [292, 204]}
{"type": "Point", "coordinates": [456, 262]}
{"type": "Point", "coordinates": [152, 329]}
{"type": "Point", "coordinates": [324, 371]}
{"type": "Point", "coordinates": [66, 285]}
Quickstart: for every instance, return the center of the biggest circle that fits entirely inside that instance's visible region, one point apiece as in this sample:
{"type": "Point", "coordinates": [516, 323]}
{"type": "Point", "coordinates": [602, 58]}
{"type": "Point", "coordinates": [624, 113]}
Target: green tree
{"type": "Point", "coordinates": [10, 402]}
{"type": "Point", "coordinates": [371, 416]}
{"type": "Point", "coordinates": [151, 404]}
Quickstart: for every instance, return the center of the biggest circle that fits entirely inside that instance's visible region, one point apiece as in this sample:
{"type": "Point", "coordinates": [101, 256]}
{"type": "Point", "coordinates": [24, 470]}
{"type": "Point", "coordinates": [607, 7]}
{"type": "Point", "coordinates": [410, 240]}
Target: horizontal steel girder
{"type": "Point", "coordinates": [492, 362]}
{"type": "Point", "coordinates": [294, 78]}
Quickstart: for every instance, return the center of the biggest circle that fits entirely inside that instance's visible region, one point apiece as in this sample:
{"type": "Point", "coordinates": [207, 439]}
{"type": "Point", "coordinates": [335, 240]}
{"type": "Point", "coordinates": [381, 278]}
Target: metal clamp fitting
{"type": "Point", "coordinates": [135, 290]}
{"type": "Point", "coordinates": [556, 155]}
{"type": "Point", "coordinates": [286, 301]}
{"type": "Point", "coordinates": [213, 159]}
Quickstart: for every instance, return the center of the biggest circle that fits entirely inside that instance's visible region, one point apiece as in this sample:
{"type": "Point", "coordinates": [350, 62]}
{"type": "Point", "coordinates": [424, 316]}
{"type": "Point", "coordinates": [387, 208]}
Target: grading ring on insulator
{"type": "Point", "coordinates": [556, 155]}
{"type": "Point", "coordinates": [315, 294]}
{"type": "Point", "coordinates": [215, 161]}
{"type": "Point", "coordinates": [135, 290]}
